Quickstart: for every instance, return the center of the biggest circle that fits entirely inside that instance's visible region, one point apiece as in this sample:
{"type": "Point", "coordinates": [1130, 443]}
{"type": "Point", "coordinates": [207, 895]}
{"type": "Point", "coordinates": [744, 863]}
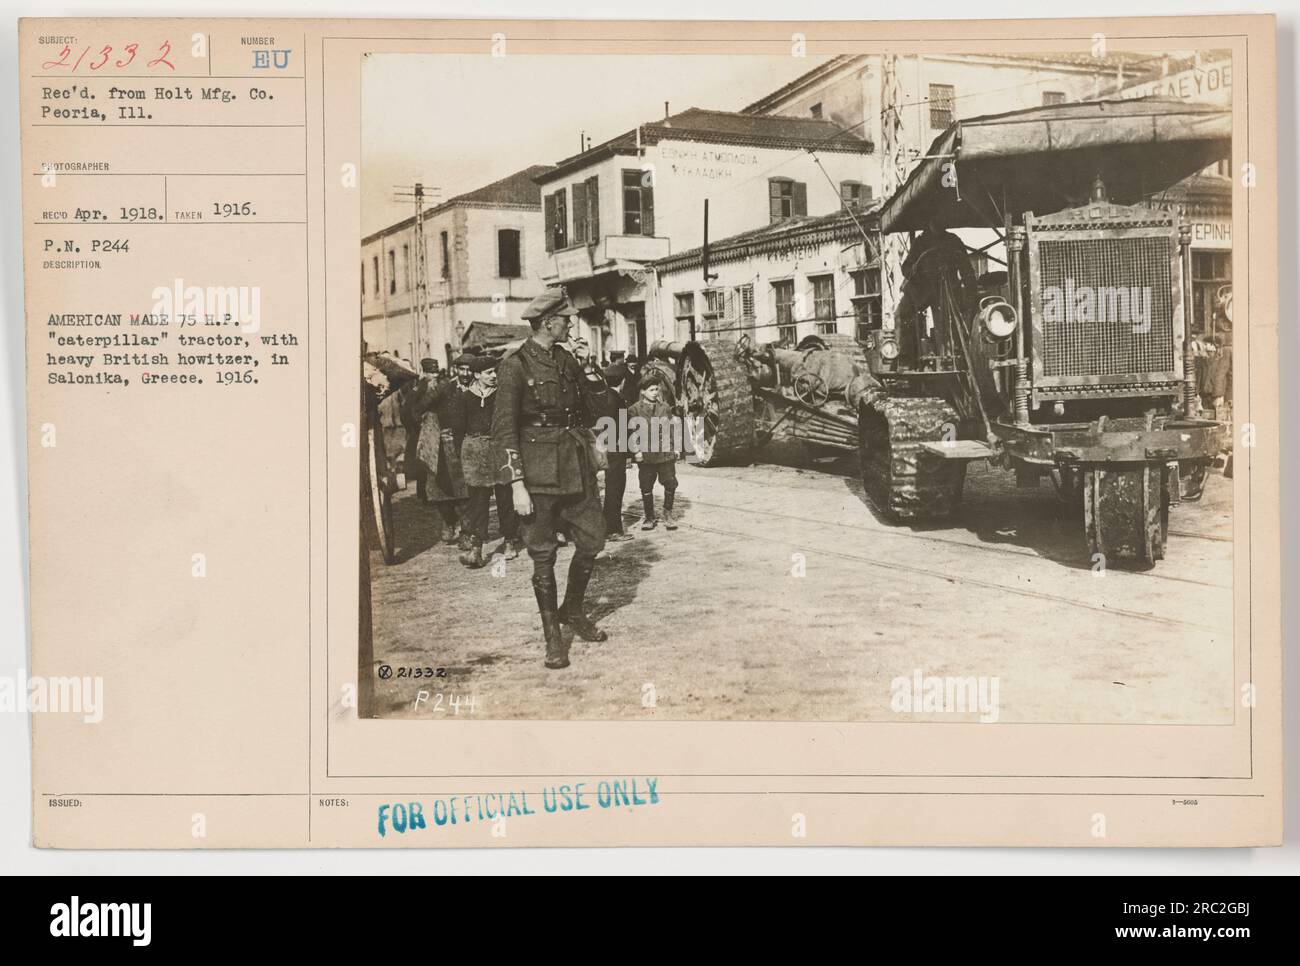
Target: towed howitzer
{"type": "Point", "coordinates": [738, 396]}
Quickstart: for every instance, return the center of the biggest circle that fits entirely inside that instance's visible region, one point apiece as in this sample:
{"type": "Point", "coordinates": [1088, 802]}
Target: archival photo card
{"type": "Point", "coordinates": [548, 433]}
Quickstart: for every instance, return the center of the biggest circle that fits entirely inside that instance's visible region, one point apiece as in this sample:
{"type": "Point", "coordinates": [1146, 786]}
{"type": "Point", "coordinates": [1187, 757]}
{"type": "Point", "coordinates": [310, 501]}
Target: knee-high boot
{"type": "Point", "coordinates": [557, 655]}
{"type": "Point", "coordinates": [571, 611]}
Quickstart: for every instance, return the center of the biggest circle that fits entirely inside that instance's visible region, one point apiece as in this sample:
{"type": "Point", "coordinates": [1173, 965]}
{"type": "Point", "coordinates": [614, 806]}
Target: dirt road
{"type": "Point", "coordinates": [784, 597]}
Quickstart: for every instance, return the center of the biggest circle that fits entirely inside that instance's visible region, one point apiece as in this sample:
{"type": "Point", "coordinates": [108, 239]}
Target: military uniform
{"type": "Point", "coordinates": [541, 435]}
{"type": "Point", "coordinates": [939, 277]}
{"type": "Point", "coordinates": [608, 402]}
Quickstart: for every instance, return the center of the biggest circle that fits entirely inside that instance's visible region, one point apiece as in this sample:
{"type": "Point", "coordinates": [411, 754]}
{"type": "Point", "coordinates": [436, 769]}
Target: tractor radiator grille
{"type": "Point", "coordinates": [1107, 306]}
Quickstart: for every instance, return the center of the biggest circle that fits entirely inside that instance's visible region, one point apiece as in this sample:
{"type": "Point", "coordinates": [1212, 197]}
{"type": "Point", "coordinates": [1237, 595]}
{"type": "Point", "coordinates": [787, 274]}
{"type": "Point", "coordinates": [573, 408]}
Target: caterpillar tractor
{"type": "Point", "coordinates": [1075, 363]}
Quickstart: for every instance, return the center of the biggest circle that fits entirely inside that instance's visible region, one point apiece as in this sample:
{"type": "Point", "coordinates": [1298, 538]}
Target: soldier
{"type": "Point", "coordinates": [481, 469]}
{"type": "Point", "coordinates": [539, 433]}
{"type": "Point", "coordinates": [444, 401]}
{"type": "Point", "coordinates": [653, 435]}
{"type": "Point", "coordinates": [940, 277]}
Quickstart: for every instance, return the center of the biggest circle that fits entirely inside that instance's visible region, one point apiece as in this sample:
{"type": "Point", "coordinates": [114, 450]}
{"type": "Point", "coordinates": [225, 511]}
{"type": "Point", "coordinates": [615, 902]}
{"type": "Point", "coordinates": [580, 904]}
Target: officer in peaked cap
{"type": "Point", "coordinates": [539, 434]}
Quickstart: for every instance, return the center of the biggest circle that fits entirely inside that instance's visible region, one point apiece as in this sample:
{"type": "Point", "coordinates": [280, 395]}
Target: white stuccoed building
{"type": "Point", "coordinates": [620, 205]}
{"type": "Point", "coordinates": [484, 257]}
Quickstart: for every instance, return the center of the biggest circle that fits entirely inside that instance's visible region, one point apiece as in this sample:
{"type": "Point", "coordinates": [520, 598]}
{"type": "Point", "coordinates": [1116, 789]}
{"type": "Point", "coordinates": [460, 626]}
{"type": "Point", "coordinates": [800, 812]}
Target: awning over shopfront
{"type": "Point", "coordinates": [608, 287]}
{"type": "Point", "coordinates": [1045, 159]}
{"type": "Point", "coordinates": [490, 334]}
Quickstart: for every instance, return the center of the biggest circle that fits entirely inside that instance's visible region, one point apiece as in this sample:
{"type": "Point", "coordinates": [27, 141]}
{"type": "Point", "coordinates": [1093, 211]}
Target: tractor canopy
{"type": "Point", "coordinates": [981, 171]}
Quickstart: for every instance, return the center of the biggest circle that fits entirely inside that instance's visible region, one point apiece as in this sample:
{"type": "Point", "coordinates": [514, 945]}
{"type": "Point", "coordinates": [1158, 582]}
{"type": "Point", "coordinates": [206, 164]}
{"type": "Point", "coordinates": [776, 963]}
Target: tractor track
{"type": "Point", "coordinates": [895, 567]}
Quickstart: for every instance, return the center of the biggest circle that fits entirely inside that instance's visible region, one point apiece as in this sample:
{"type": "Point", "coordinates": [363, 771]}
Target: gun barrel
{"type": "Point", "coordinates": [663, 349]}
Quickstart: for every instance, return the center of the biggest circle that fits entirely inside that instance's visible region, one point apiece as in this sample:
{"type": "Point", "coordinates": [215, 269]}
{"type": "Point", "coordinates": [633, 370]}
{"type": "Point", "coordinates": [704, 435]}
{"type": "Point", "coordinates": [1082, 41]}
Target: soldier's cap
{"type": "Point", "coordinates": [428, 365]}
{"type": "Point", "coordinates": [484, 363]}
{"type": "Point", "coordinates": [551, 302]}
{"type": "Point", "coordinates": [464, 359]}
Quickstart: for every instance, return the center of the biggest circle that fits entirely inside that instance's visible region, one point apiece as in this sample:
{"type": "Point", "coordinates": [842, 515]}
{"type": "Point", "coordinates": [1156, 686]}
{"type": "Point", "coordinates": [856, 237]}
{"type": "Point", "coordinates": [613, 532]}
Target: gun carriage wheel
{"type": "Point", "coordinates": [717, 402]}
{"type": "Point", "coordinates": [811, 388]}
{"type": "Point", "coordinates": [377, 490]}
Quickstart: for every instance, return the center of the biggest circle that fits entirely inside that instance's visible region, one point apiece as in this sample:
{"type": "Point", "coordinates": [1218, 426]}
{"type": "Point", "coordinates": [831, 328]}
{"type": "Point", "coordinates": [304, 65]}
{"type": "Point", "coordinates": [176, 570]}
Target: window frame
{"type": "Point", "coordinates": [796, 196]}
{"type": "Point", "coordinates": [790, 327]}
{"type": "Point", "coordinates": [825, 325]}
{"type": "Point", "coordinates": [868, 305]}
{"type": "Point", "coordinates": [645, 210]}
{"type": "Point", "coordinates": [519, 252]}
{"type": "Point", "coordinates": [943, 105]}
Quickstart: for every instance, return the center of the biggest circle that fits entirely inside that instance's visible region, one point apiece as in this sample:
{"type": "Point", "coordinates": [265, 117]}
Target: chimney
{"type": "Point", "coordinates": [665, 112]}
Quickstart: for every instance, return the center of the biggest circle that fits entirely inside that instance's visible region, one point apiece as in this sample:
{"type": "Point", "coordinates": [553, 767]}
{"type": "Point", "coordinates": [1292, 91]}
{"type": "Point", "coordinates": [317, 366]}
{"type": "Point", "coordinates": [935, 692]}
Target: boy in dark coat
{"type": "Point", "coordinates": [654, 432]}
{"type": "Point", "coordinates": [480, 468]}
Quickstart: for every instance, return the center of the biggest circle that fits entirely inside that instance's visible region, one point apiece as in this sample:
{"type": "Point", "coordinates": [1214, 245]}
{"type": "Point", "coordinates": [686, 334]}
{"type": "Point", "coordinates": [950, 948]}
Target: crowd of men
{"type": "Point", "coordinates": [517, 428]}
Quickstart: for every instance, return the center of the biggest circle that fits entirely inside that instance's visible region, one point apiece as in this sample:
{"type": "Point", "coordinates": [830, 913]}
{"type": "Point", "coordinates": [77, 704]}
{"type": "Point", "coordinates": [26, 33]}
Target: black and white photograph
{"type": "Point", "coordinates": [859, 387]}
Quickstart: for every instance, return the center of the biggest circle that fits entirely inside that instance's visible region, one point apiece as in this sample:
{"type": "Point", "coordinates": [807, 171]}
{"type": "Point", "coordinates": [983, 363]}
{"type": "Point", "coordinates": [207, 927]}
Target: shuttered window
{"type": "Point", "coordinates": [555, 215]}
{"type": "Point", "coordinates": [586, 211]}
{"type": "Point", "coordinates": [786, 199]}
{"type": "Point", "coordinates": [713, 311]}
{"type": "Point", "coordinates": [638, 202]}
{"type": "Point", "coordinates": [579, 189]}
{"type": "Point", "coordinates": [855, 194]}
{"type": "Point", "coordinates": [744, 307]}
{"type": "Point", "coordinates": [593, 210]}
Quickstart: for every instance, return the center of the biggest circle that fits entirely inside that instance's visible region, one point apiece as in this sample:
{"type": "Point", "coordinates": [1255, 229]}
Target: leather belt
{"type": "Point", "coordinates": [566, 419]}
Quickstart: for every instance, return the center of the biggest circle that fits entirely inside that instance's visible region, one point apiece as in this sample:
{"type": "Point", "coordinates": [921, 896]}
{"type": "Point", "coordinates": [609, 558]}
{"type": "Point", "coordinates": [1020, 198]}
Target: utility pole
{"type": "Point", "coordinates": [420, 336]}
{"type": "Point", "coordinates": [894, 173]}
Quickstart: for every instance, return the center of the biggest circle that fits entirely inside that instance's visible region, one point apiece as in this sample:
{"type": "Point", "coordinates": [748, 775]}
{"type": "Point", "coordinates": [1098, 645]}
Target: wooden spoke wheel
{"type": "Point", "coordinates": [376, 491]}
{"type": "Point", "coordinates": [811, 388]}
